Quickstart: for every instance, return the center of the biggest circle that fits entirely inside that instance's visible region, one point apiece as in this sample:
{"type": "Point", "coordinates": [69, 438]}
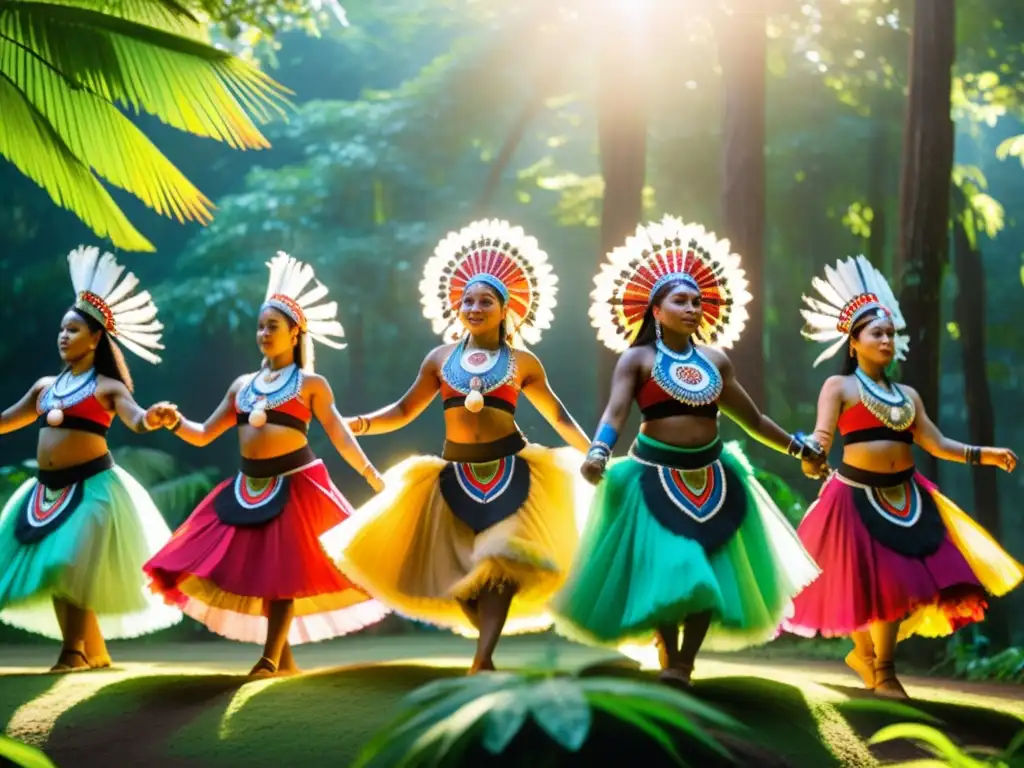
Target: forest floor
{"type": "Point", "coordinates": [188, 704]}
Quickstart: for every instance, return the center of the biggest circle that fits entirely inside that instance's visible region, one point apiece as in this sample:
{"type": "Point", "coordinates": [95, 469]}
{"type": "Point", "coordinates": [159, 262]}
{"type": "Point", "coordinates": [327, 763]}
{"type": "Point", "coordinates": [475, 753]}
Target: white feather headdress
{"type": "Point", "coordinates": [504, 257]}
{"type": "Point", "coordinates": [103, 295]}
{"type": "Point", "coordinates": [286, 292]}
{"type": "Point", "coordinates": [660, 252]}
{"type": "Point", "coordinates": [849, 291]}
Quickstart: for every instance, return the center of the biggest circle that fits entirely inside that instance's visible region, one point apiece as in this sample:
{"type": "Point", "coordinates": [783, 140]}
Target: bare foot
{"type": "Point", "coordinates": [264, 668]}
{"type": "Point", "coordinates": [287, 665]}
{"type": "Point", "coordinates": [863, 667]}
{"type": "Point", "coordinates": [71, 660]}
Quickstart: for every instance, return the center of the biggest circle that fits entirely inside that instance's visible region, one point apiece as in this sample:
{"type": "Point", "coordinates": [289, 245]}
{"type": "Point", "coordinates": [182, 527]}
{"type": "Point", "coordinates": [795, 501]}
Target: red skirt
{"type": "Point", "coordinates": [886, 555]}
{"type": "Point", "coordinates": [253, 541]}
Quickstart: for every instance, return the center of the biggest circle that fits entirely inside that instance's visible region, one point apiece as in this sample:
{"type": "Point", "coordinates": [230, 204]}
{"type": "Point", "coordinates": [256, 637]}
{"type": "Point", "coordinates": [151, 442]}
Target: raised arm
{"type": "Point", "coordinates": [931, 439]}
{"type": "Point", "coordinates": [737, 405]}
{"type": "Point", "coordinates": [537, 389]}
{"type": "Point", "coordinates": [23, 412]}
{"type": "Point", "coordinates": [397, 415]}
{"type": "Point", "coordinates": [323, 407]}
{"type": "Point", "coordinates": [615, 414]}
{"type": "Point", "coordinates": [220, 421]}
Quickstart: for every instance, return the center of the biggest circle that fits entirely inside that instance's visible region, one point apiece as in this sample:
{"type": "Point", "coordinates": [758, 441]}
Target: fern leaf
{"type": "Point", "coordinates": [182, 81]}
{"type": "Point", "coordinates": [29, 141]}
{"type": "Point", "coordinates": [96, 131]}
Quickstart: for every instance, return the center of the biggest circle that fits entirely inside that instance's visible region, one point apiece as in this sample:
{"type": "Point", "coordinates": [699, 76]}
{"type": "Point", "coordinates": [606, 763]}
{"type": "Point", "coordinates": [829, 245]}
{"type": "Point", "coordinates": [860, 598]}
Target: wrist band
{"type": "Point", "coordinates": [972, 454]}
{"type": "Point", "coordinates": [605, 439]}
{"type": "Point", "coordinates": [362, 425]}
{"type": "Point", "coordinates": [803, 447]}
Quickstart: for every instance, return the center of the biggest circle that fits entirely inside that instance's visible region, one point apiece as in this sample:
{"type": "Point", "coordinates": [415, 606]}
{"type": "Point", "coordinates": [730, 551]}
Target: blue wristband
{"type": "Point", "coordinates": [605, 439]}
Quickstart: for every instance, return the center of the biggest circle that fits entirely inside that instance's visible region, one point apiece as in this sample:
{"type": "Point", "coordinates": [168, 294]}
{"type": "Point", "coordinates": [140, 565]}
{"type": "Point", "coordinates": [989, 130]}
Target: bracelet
{"type": "Point", "coordinates": [803, 447]}
{"type": "Point", "coordinates": [369, 468]}
{"type": "Point", "coordinates": [605, 439]}
{"type": "Point", "coordinates": [177, 424]}
{"type": "Point", "coordinates": [599, 452]}
{"type": "Point", "coordinates": [972, 455]}
{"type": "Point", "coordinates": [144, 425]}
{"type": "Point", "coordinates": [362, 425]}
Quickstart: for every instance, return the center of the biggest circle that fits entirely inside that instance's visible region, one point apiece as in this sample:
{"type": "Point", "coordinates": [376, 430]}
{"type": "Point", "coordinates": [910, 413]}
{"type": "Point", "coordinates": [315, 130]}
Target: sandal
{"type": "Point", "coordinates": [677, 677]}
{"type": "Point", "coordinates": [887, 686]}
{"type": "Point", "coordinates": [64, 664]}
{"type": "Point", "coordinates": [264, 668]}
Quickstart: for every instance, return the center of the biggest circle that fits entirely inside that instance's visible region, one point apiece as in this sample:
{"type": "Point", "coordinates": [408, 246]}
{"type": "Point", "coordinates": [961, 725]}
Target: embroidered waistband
{"type": "Point", "coordinates": [647, 450]}
{"type": "Point", "coordinates": [62, 478]}
{"type": "Point", "coordinates": [278, 465]}
{"type": "Point", "coordinates": [480, 453]}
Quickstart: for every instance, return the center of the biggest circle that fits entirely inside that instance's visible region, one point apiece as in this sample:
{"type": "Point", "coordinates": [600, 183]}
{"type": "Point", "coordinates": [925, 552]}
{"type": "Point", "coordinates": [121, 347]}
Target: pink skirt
{"type": "Point", "coordinates": [886, 554]}
{"type": "Point", "coordinates": [254, 541]}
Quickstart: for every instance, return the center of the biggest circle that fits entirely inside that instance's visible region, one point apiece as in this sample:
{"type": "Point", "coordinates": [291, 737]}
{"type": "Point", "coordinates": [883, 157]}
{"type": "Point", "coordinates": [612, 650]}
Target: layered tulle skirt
{"type": "Point", "coordinates": [893, 548]}
{"type": "Point", "coordinates": [82, 534]}
{"type": "Point", "coordinates": [255, 539]}
{"type": "Point", "coordinates": [497, 514]}
{"type": "Point", "coordinates": [676, 532]}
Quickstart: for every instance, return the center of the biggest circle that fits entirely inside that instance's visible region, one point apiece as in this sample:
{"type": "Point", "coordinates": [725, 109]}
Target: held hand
{"type": "Point", "coordinates": [815, 468]}
{"type": "Point", "coordinates": [162, 414]}
{"type": "Point", "coordinates": [1003, 458]}
{"type": "Point", "coordinates": [357, 425]}
{"type": "Point", "coordinates": [593, 469]}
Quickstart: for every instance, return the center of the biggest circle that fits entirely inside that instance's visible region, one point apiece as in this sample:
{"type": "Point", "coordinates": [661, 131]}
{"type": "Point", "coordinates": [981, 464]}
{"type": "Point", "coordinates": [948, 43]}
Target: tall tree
{"type": "Point", "coordinates": [970, 317]}
{"type": "Point", "coordinates": [924, 194]}
{"type": "Point", "coordinates": [622, 119]}
{"type": "Point", "coordinates": [742, 42]}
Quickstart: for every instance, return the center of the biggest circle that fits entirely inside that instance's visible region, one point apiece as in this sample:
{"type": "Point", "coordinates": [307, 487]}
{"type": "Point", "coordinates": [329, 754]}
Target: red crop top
{"type": "Point", "coordinates": [291, 413]}
{"type": "Point", "coordinates": [504, 398]}
{"type": "Point", "coordinates": [89, 415]}
{"type": "Point", "coordinates": [859, 425]}
{"type": "Point", "coordinates": [655, 403]}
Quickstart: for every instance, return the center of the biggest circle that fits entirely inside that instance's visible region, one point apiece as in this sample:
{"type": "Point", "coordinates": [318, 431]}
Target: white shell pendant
{"type": "Point", "coordinates": [474, 400]}
{"type": "Point", "coordinates": [258, 414]}
{"type": "Point", "coordinates": [55, 417]}
{"type": "Point", "coordinates": [896, 413]}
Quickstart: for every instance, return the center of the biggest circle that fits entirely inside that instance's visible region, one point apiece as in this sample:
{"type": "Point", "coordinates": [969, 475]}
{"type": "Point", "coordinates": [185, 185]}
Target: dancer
{"type": "Point", "coordinates": [248, 562]}
{"type": "Point", "coordinates": [486, 534]}
{"type": "Point", "coordinates": [72, 542]}
{"type": "Point", "coordinates": [680, 532]}
{"type": "Point", "coordinates": [899, 558]}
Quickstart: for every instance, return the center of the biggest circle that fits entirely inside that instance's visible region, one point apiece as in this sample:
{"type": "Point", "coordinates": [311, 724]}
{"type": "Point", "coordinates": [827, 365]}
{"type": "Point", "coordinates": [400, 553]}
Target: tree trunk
{"type": "Point", "coordinates": [924, 196]}
{"type": "Point", "coordinates": [878, 184]}
{"type": "Point", "coordinates": [742, 45]}
{"type": "Point", "coordinates": [622, 116]}
{"type": "Point", "coordinates": [970, 316]}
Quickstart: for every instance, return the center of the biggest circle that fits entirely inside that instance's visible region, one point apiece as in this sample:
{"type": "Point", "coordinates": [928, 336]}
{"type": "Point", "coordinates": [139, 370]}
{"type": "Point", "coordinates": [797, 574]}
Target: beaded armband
{"type": "Point", "coordinates": [803, 446]}
{"type": "Point", "coordinates": [603, 443]}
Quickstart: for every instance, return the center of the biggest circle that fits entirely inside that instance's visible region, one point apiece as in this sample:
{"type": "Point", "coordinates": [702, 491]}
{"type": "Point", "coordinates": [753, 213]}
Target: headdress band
{"type": "Point", "coordinates": [673, 277]}
{"type": "Point", "coordinates": [289, 306]}
{"type": "Point", "coordinates": [491, 281]}
{"type": "Point", "coordinates": [857, 308]}
{"type": "Point", "coordinates": [98, 309]}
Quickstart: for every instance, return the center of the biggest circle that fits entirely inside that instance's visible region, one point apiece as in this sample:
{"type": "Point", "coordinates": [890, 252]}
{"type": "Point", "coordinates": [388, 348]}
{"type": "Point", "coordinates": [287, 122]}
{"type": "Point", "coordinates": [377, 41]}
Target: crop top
{"type": "Point", "coordinates": [858, 425]}
{"type": "Point", "coordinates": [87, 415]}
{"type": "Point", "coordinates": [655, 403]}
{"type": "Point", "coordinates": [503, 398]}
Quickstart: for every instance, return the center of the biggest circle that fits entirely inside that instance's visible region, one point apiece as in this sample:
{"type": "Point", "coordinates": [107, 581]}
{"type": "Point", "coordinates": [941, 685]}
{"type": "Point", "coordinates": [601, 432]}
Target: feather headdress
{"type": "Point", "coordinates": [287, 292]}
{"type": "Point", "coordinates": [662, 252]}
{"type": "Point", "coordinates": [502, 256]}
{"type": "Point", "coordinates": [850, 291]}
{"type": "Point", "coordinates": [100, 292]}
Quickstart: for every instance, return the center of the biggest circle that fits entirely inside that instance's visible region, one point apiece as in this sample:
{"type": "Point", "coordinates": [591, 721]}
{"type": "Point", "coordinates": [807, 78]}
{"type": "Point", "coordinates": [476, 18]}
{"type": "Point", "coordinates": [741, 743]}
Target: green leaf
{"type": "Point", "coordinates": [504, 721]}
{"type": "Point", "coordinates": [22, 754]}
{"type": "Point", "coordinates": [930, 738]}
{"type": "Point", "coordinates": [677, 720]}
{"type": "Point", "coordinates": [560, 708]}
{"type": "Point", "coordinates": [665, 695]}
{"type": "Point", "coordinates": [617, 709]}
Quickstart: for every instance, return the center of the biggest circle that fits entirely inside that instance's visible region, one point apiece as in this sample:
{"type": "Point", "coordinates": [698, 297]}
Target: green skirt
{"type": "Point", "coordinates": [663, 543]}
{"type": "Point", "coordinates": [93, 558]}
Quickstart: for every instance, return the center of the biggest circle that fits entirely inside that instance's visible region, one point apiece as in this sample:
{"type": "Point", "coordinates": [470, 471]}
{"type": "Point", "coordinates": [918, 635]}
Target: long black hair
{"type": "Point", "coordinates": [648, 330]}
{"type": "Point", "coordinates": [108, 360]}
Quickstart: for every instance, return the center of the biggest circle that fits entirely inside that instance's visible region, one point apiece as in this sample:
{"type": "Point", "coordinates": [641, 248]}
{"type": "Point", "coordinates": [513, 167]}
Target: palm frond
{"type": "Point", "coordinates": [169, 15]}
{"type": "Point", "coordinates": [182, 81]}
{"type": "Point", "coordinates": [96, 131]}
{"type": "Point", "coordinates": [178, 497]}
{"type": "Point", "coordinates": [38, 151]}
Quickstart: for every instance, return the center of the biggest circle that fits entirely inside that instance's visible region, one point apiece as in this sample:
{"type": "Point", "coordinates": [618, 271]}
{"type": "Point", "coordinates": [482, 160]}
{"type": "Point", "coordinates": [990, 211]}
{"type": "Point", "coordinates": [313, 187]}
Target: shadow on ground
{"type": "Point", "coordinates": [323, 718]}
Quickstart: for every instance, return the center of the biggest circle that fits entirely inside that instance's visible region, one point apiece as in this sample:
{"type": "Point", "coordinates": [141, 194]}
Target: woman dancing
{"type": "Point", "coordinates": [486, 533]}
{"type": "Point", "coordinates": [680, 532]}
{"type": "Point", "coordinates": [72, 543]}
{"type": "Point", "coordinates": [899, 558]}
{"type": "Point", "coordinates": [248, 562]}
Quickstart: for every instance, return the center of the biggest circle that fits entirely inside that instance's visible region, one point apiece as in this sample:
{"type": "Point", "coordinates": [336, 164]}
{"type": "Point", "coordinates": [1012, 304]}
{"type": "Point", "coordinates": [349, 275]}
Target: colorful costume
{"type": "Point", "coordinates": [892, 547]}
{"type": "Point", "coordinates": [83, 532]}
{"type": "Point", "coordinates": [482, 514]}
{"type": "Point", "coordinates": [256, 537]}
{"type": "Point", "coordinates": [679, 531]}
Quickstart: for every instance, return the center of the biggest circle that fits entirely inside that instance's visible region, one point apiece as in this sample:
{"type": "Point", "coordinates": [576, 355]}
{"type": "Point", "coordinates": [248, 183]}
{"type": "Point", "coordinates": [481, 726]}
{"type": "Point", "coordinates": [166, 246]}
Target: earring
{"type": "Point", "coordinates": [657, 328]}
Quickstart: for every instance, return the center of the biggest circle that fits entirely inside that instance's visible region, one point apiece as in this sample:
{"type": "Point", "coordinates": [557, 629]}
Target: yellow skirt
{"type": "Point", "coordinates": [409, 550]}
{"type": "Point", "coordinates": [997, 571]}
